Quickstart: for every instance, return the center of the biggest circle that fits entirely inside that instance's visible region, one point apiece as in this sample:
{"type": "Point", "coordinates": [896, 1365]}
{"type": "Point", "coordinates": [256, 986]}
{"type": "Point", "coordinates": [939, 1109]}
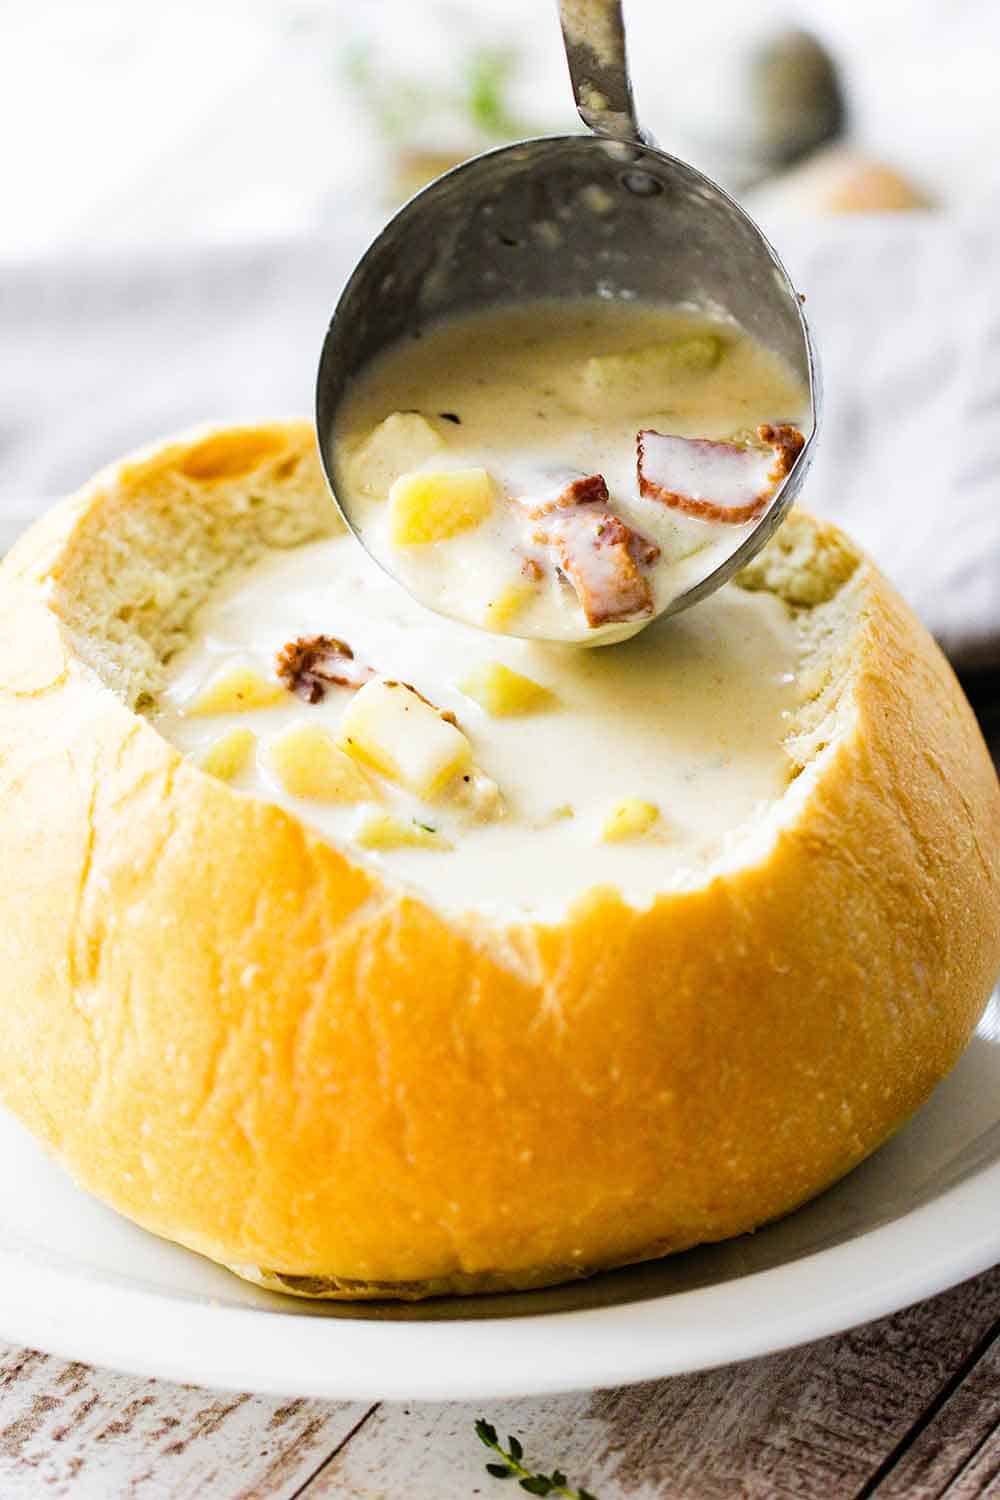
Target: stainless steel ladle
{"type": "Point", "coordinates": [606, 215]}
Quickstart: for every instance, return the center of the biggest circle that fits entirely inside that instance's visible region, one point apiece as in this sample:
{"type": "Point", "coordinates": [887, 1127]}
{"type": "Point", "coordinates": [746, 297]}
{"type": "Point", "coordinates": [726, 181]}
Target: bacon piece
{"type": "Point", "coordinates": [312, 664]}
{"type": "Point", "coordinates": [787, 443]}
{"type": "Point", "coordinates": [641, 548]}
{"type": "Point", "coordinates": [600, 556]}
{"type": "Point", "coordinates": [583, 489]}
{"type": "Point", "coordinates": [716, 481]}
{"type": "Point", "coordinates": [588, 489]}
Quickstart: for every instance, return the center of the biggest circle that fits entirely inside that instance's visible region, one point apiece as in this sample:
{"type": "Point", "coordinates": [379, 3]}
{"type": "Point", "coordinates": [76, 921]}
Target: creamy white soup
{"type": "Point", "coordinates": [565, 470]}
{"type": "Point", "coordinates": [491, 773]}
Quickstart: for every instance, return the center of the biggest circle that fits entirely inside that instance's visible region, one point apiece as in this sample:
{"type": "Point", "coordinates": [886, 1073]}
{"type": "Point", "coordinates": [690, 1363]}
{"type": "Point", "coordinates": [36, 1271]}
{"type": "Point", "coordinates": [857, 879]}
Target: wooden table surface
{"type": "Point", "coordinates": [907, 1408]}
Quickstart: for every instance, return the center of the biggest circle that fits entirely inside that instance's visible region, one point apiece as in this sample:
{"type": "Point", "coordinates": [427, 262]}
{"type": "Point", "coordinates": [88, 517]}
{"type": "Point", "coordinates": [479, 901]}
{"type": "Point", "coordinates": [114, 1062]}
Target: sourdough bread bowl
{"type": "Point", "coordinates": [254, 1042]}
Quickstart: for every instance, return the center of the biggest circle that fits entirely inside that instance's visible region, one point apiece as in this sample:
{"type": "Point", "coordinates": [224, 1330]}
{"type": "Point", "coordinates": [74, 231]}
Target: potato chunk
{"type": "Point", "coordinates": [308, 762]}
{"type": "Point", "coordinates": [619, 382]}
{"type": "Point", "coordinates": [507, 603]}
{"type": "Point", "coordinates": [227, 756]}
{"type": "Point", "coordinates": [391, 728]}
{"type": "Point", "coordinates": [236, 690]}
{"type": "Point", "coordinates": [379, 830]}
{"type": "Point", "coordinates": [404, 440]}
{"type": "Point", "coordinates": [502, 691]}
{"type": "Point", "coordinates": [629, 819]}
{"type": "Point", "coordinates": [431, 507]}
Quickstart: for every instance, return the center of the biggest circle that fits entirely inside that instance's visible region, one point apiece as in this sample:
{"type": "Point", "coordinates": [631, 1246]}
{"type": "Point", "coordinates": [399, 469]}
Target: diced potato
{"type": "Point", "coordinates": [629, 819]}
{"type": "Point", "coordinates": [389, 727]}
{"type": "Point", "coordinates": [619, 382]}
{"type": "Point", "coordinates": [502, 691]}
{"type": "Point", "coordinates": [431, 507]}
{"type": "Point", "coordinates": [227, 756]}
{"type": "Point", "coordinates": [402, 442]}
{"type": "Point", "coordinates": [309, 763]}
{"type": "Point", "coordinates": [379, 830]}
{"type": "Point", "coordinates": [504, 605]}
{"type": "Point", "coordinates": [236, 690]}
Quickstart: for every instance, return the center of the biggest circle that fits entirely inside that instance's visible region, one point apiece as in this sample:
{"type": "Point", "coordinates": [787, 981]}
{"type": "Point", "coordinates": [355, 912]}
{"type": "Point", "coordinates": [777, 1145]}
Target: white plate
{"type": "Point", "coordinates": [922, 1214]}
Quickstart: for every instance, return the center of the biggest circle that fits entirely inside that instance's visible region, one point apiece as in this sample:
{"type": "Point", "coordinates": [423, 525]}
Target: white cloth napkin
{"type": "Point", "coordinates": [102, 355]}
{"type": "Point", "coordinates": [906, 315]}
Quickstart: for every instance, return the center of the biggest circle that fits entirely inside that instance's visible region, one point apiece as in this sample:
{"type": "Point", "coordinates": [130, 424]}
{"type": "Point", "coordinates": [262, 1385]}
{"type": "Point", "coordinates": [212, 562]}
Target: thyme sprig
{"type": "Point", "coordinates": [511, 1467]}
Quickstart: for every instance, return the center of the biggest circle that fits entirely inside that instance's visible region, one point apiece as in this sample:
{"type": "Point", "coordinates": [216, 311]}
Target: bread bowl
{"type": "Point", "coordinates": [264, 1044]}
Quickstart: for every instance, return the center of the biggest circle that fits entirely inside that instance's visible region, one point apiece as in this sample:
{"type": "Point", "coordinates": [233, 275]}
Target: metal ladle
{"type": "Point", "coordinates": [522, 223]}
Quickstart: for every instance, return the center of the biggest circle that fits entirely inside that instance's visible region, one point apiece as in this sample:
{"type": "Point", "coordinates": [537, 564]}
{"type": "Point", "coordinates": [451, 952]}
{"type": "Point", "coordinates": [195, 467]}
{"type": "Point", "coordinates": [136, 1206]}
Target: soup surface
{"type": "Point", "coordinates": [532, 471]}
{"type": "Point", "coordinates": [491, 773]}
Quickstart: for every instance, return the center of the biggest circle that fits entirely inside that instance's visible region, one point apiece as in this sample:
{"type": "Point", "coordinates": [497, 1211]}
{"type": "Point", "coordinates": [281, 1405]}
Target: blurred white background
{"type": "Point", "coordinates": [132, 122]}
{"type": "Point", "coordinates": [186, 186]}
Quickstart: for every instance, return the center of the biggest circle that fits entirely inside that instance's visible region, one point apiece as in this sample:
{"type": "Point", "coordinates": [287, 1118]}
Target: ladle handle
{"type": "Point", "coordinates": [594, 38]}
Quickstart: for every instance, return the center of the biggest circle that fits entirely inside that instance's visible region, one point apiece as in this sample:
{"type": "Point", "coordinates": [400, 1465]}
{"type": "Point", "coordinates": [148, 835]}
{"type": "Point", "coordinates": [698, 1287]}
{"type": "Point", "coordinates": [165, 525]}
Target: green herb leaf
{"type": "Point", "coordinates": [489, 75]}
{"type": "Point", "coordinates": [512, 1467]}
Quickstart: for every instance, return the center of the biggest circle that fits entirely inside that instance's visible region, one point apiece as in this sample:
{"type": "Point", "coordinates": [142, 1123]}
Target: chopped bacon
{"type": "Point", "coordinates": [642, 549]}
{"type": "Point", "coordinates": [532, 569]}
{"type": "Point", "coordinates": [787, 443]}
{"type": "Point", "coordinates": [588, 489]}
{"type": "Point", "coordinates": [716, 481]}
{"type": "Point", "coordinates": [600, 556]}
{"type": "Point", "coordinates": [582, 489]}
{"type": "Point", "coordinates": [597, 553]}
{"type": "Point", "coordinates": [312, 664]}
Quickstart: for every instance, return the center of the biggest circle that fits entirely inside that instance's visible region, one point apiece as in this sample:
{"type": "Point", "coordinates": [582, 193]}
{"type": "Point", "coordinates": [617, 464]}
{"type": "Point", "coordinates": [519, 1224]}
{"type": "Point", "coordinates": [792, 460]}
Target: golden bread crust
{"type": "Point", "coordinates": [252, 1044]}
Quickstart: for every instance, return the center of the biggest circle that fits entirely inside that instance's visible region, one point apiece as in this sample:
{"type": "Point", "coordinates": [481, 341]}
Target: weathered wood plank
{"type": "Point", "coordinates": [68, 1430]}
{"type": "Point", "coordinates": [957, 1446]}
{"type": "Point", "coordinates": [813, 1422]}
{"type": "Point", "coordinates": [980, 1478]}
